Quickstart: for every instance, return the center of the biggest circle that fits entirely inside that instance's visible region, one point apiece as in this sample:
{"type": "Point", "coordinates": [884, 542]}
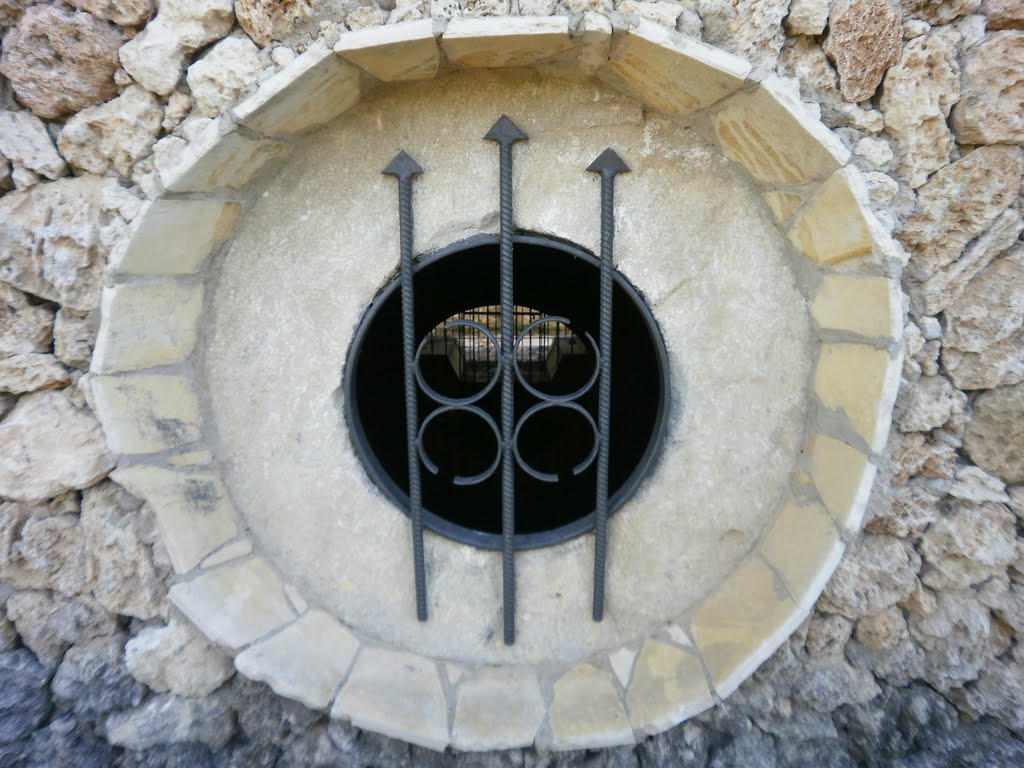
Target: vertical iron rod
{"type": "Point", "coordinates": [404, 168]}
{"type": "Point", "coordinates": [506, 134]}
{"type": "Point", "coordinates": [608, 164]}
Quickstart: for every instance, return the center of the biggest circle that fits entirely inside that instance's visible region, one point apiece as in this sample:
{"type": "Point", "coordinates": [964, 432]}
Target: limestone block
{"type": "Point", "coordinates": [146, 324]}
{"type": "Point", "coordinates": [236, 604]}
{"type": "Point", "coordinates": [406, 51]}
{"type": "Point", "coordinates": [673, 73]}
{"type": "Point", "coordinates": [314, 89]}
{"type": "Point", "coordinates": [174, 237]}
{"type": "Point", "coordinates": [869, 306]}
{"type": "Point", "coordinates": [865, 38]}
{"type": "Point", "coordinates": [992, 108]}
{"type": "Point", "coordinates": [783, 204]}
{"type": "Point", "coordinates": [834, 225]}
{"type": "Point", "coordinates": [593, 37]}
{"type": "Point", "coordinates": [586, 711]}
{"type": "Point", "coordinates": [146, 414]}
{"type": "Point", "coordinates": [498, 708]}
{"type": "Point", "coordinates": [776, 138]}
{"type": "Point", "coordinates": [219, 159]}
{"type": "Point", "coordinates": [193, 510]}
{"type": "Point", "coordinates": [507, 42]}
{"type": "Point", "coordinates": [668, 687]}
{"type": "Point", "coordinates": [306, 661]}
{"type": "Point", "coordinates": [742, 623]}
{"type": "Point", "coordinates": [28, 373]}
{"type": "Point", "coordinates": [396, 694]}
{"type": "Point", "coordinates": [843, 476]}
{"type": "Point", "coordinates": [860, 381]}
{"type": "Point", "coordinates": [804, 547]}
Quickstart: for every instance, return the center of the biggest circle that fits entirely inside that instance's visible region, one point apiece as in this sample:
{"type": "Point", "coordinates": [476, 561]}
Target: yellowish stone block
{"type": "Point", "coordinates": [742, 623]}
{"type": "Point", "coordinates": [673, 73]}
{"type": "Point", "coordinates": [853, 378]}
{"type": "Point", "coordinates": [804, 546]}
{"type": "Point", "coordinates": [174, 237]}
{"type": "Point", "coordinates": [498, 708]}
{"type": "Point", "coordinates": [404, 51]}
{"type": "Point", "coordinates": [219, 159]}
{"type": "Point", "coordinates": [783, 204]}
{"type": "Point", "coordinates": [668, 686]}
{"type": "Point", "coordinates": [869, 306]}
{"type": "Point", "coordinates": [843, 476]}
{"type": "Point", "coordinates": [772, 134]}
{"type": "Point", "coordinates": [146, 413]}
{"type": "Point", "coordinates": [586, 711]}
{"type": "Point", "coordinates": [834, 226]}
{"type": "Point", "coordinates": [311, 91]}
{"type": "Point", "coordinates": [236, 604]}
{"type": "Point", "coordinates": [193, 510]}
{"type": "Point", "coordinates": [486, 43]}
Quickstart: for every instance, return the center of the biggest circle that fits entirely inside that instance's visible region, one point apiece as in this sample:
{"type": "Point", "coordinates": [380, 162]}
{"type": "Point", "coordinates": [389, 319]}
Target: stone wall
{"type": "Point", "coordinates": [915, 655]}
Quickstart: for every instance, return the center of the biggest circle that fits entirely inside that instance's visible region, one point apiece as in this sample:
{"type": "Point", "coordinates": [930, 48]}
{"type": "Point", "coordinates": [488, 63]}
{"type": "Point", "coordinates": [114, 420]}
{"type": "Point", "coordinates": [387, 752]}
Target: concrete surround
{"type": "Point", "coordinates": [147, 375]}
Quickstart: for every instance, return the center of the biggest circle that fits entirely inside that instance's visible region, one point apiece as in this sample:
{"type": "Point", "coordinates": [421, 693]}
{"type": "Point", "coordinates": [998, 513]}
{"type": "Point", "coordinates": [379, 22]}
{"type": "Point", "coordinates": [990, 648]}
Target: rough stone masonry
{"type": "Point", "coordinates": [915, 654]}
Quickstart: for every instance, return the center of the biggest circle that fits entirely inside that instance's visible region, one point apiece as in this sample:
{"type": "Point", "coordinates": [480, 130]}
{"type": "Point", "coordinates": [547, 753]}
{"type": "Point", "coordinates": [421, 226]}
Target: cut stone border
{"type": "Point", "coordinates": [143, 393]}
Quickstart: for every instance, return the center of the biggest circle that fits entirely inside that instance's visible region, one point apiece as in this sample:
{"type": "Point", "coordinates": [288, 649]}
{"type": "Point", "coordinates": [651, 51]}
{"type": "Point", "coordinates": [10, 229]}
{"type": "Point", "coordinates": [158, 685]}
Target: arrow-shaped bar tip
{"type": "Point", "coordinates": [505, 131]}
{"type": "Point", "coordinates": [402, 166]}
{"type": "Point", "coordinates": [608, 162]}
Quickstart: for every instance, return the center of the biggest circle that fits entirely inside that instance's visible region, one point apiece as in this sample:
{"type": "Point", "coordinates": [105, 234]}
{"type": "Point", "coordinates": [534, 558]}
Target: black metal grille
{"type": "Point", "coordinates": [478, 384]}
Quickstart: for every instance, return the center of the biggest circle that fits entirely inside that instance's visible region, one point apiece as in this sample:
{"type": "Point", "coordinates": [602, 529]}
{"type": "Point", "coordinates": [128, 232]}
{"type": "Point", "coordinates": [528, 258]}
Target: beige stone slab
{"type": "Point", "coordinates": [231, 551]}
{"type": "Point", "coordinates": [804, 546]}
{"type": "Point", "coordinates": [783, 204]}
{"type": "Point", "coordinates": [174, 237]}
{"type": "Point", "coordinates": [854, 378]}
{"type": "Point", "coordinates": [869, 306]}
{"type": "Point", "coordinates": [488, 43]}
{"type": "Point", "coordinates": [586, 711]}
{"type": "Point", "coordinates": [236, 604]}
{"type": "Point", "coordinates": [396, 694]}
{"type": "Point", "coordinates": [843, 476]}
{"type": "Point", "coordinates": [227, 163]}
{"type": "Point", "coordinates": [594, 40]}
{"type": "Point", "coordinates": [305, 661]}
{"type": "Point", "coordinates": [311, 91]}
{"type": "Point", "coordinates": [498, 708]}
{"type": "Point", "coordinates": [393, 52]}
{"type": "Point", "coordinates": [193, 510]}
{"type": "Point", "coordinates": [668, 687]}
{"type": "Point", "coordinates": [742, 623]}
{"type": "Point", "coordinates": [673, 73]}
{"type": "Point", "coordinates": [147, 324]}
{"type": "Point", "coordinates": [146, 413]}
{"type": "Point", "coordinates": [774, 136]}
{"type": "Point", "coordinates": [835, 226]}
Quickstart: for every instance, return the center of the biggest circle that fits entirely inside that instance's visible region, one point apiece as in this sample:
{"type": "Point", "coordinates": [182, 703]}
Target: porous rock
{"type": "Point", "coordinates": [878, 572]}
{"type": "Point", "coordinates": [116, 134]}
{"type": "Point", "coordinates": [24, 327]}
{"type": "Point", "coordinates": [865, 38]}
{"type": "Point", "coordinates": [827, 684]}
{"type": "Point", "coordinates": [28, 373]}
{"type": "Point", "coordinates": [121, 535]}
{"type": "Point", "coordinates": [999, 693]}
{"type": "Point", "coordinates": [970, 544]}
{"type": "Point", "coordinates": [126, 13]}
{"type": "Point", "coordinates": [49, 624]}
{"type": "Point", "coordinates": [909, 511]}
{"type": "Point", "coordinates": [51, 446]}
{"type": "Point", "coordinates": [991, 110]}
{"type": "Point", "coordinates": [224, 76]}
{"type": "Point", "coordinates": [43, 551]}
{"type": "Point", "coordinates": [156, 57]}
{"type": "Point", "coordinates": [1003, 14]}
{"type": "Point", "coordinates": [74, 336]}
{"type": "Point", "coordinates": [995, 434]}
{"type": "Point", "coordinates": [60, 61]}
{"type": "Point", "coordinates": [25, 142]}
{"type": "Point", "coordinates": [926, 404]}
{"type": "Point", "coordinates": [268, 20]}
{"type": "Point", "coordinates": [24, 696]}
{"type": "Point", "coordinates": [807, 17]}
{"type": "Point", "coordinates": [92, 679]}
{"type": "Point", "coordinates": [751, 28]}
{"type": "Point", "coordinates": [170, 719]}
{"type": "Point", "coordinates": [955, 638]}
{"type": "Point", "coordinates": [176, 658]}
{"type": "Point", "coordinates": [263, 716]}
{"type": "Point", "coordinates": [56, 245]}
{"type": "Point", "coordinates": [917, 96]}
{"type": "Point", "coordinates": [937, 12]}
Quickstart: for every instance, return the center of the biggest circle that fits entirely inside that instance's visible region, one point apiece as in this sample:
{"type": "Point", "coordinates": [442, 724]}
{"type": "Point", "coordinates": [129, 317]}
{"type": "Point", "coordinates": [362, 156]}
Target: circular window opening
{"type": "Point", "coordinates": [458, 370]}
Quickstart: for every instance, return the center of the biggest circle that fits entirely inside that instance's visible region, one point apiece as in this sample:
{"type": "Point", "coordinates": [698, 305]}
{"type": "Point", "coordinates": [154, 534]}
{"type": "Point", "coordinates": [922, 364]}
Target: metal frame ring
{"type": "Point", "coordinates": [547, 397]}
{"type": "Point", "coordinates": [433, 394]}
{"type": "Point", "coordinates": [547, 477]}
{"type": "Point", "coordinates": [460, 480]}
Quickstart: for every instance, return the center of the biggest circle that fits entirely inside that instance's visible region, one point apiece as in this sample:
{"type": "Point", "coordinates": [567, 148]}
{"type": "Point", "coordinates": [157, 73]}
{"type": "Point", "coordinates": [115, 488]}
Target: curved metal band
{"type": "Point", "coordinates": [545, 396]}
{"type": "Point", "coordinates": [433, 394]}
{"type": "Point", "coordinates": [547, 477]}
{"type": "Point", "coordinates": [460, 479]}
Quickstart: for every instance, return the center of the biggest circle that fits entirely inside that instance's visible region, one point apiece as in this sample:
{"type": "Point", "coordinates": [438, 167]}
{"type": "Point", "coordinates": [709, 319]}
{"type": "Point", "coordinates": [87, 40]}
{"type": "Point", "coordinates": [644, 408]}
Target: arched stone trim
{"type": "Point", "coordinates": [145, 396]}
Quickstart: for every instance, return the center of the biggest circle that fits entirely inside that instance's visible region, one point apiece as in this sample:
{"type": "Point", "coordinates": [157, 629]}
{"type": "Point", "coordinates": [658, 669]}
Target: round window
{"type": "Point", "coordinates": [457, 324]}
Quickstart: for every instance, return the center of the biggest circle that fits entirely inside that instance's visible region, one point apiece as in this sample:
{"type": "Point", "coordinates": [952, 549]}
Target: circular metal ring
{"type": "Point", "coordinates": [545, 396]}
{"type": "Point", "coordinates": [547, 477]}
{"type": "Point", "coordinates": [460, 479]}
{"type": "Point", "coordinates": [432, 393]}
